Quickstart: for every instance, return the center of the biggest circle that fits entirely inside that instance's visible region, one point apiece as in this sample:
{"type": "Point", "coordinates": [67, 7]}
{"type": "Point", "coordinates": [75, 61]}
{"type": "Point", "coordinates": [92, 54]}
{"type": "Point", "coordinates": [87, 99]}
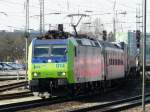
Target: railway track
{"type": "Point", "coordinates": [32, 104]}
{"type": "Point", "coordinates": [115, 106]}
{"type": "Point", "coordinates": [51, 101]}
{"type": "Point", "coordinates": [40, 102]}
{"type": "Point", "coordinates": [12, 86]}
{"type": "Point", "coordinates": [11, 78]}
{"type": "Point", "coordinates": [15, 95]}
{"type": "Point", "coordinates": [7, 75]}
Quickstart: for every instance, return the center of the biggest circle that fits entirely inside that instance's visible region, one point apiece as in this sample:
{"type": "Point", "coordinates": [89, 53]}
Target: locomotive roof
{"type": "Point", "coordinates": [60, 37]}
{"type": "Point", "coordinates": [108, 44]}
{"type": "Point", "coordinates": [50, 41]}
{"type": "Point", "coordinates": [55, 34]}
{"type": "Point", "coordinates": [64, 41]}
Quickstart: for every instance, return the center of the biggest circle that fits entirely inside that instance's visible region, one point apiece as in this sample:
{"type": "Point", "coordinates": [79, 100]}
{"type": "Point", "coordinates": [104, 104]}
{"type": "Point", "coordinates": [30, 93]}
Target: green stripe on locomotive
{"type": "Point", "coordinates": [49, 70]}
{"type": "Point", "coordinates": [71, 56]}
{"type": "Point", "coordinates": [53, 70]}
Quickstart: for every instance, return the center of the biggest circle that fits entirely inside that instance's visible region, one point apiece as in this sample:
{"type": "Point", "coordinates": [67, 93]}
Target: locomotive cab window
{"type": "Point", "coordinates": [41, 51]}
{"type": "Point", "coordinates": [58, 50]}
{"type": "Point", "coordinates": [49, 50]}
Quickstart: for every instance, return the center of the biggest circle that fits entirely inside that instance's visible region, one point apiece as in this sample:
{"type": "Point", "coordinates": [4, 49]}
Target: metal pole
{"type": "Point", "coordinates": [136, 18]}
{"type": "Point", "coordinates": [114, 21]}
{"type": "Point", "coordinates": [17, 75]}
{"type": "Point", "coordinates": [144, 58]}
{"type": "Point", "coordinates": [27, 34]}
{"type": "Point", "coordinates": [26, 39]}
{"type": "Point", "coordinates": [41, 17]}
{"type": "Point", "coordinates": [114, 25]}
{"type": "Point", "coordinates": [142, 17]}
{"type": "Point", "coordinates": [49, 26]}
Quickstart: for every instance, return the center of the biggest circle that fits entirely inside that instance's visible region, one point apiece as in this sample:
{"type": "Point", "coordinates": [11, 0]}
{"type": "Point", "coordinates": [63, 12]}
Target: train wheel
{"type": "Point", "coordinates": [44, 95]}
{"type": "Point", "coordinates": [71, 90]}
{"type": "Point", "coordinates": [36, 93]}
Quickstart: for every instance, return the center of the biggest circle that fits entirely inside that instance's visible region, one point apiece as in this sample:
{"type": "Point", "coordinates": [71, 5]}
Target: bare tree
{"type": "Point", "coordinates": [12, 46]}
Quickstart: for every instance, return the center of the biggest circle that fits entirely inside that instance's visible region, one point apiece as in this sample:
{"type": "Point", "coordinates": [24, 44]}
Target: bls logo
{"type": "Point", "coordinates": [60, 65]}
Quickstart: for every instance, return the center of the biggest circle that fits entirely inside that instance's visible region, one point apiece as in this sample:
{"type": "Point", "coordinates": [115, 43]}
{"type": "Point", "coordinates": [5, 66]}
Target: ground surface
{"type": "Point", "coordinates": [131, 89]}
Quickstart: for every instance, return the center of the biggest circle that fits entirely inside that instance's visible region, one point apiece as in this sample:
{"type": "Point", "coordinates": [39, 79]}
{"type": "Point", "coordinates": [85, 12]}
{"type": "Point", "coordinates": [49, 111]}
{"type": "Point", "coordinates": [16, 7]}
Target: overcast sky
{"type": "Point", "coordinates": [15, 10]}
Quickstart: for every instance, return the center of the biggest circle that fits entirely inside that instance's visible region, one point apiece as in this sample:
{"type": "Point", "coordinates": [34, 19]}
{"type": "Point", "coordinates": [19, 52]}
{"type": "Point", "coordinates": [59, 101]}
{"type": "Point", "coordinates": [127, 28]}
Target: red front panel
{"type": "Point", "coordinates": [88, 64]}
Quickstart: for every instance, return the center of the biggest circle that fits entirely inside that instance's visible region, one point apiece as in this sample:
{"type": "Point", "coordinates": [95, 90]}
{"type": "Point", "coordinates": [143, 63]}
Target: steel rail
{"type": "Point", "coordinates": [12, 86]}
{"type": "Point", "coordinates": [15, 95]}
{"type": "Point", "coordinates": [43, 102]}
{"type": "Point", "coordinates": [6, 75]}
{"type": "Point", "coordinates": [33, 104]}
{"type": "Point", "coordinates": [114, 106]}
{"type": "Point", "coordinates": [11, 78]}
{"type": "Point", "coordinates": [40, 102]}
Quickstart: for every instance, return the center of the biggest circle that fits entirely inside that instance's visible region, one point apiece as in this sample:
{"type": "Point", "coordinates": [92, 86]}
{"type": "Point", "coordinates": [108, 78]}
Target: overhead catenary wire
{"type": "Point", "coordinates": [34, 6]}
{"type": "Point", "coordinates": [120, 4]}
{"type": "Point", "coordinates": [22, 4]}
{"type": "Point", "coordinates": [87, 6]}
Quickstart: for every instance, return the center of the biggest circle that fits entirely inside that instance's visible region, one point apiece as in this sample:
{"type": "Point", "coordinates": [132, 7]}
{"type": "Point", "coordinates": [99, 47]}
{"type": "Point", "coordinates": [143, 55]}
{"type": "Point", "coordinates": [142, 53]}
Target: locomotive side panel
{"type": "Point", "coordinates": [88, 64]}
{"type": "Point", "coordinates": [71, 56]}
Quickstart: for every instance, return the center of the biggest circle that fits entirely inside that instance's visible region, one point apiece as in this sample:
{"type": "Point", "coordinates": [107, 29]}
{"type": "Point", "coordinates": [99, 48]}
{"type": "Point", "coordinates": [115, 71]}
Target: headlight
{"type": "Point", "coordinates": [63, 73]}
{"type": "Point", "coordinates": [35, 74]}
{"type": "Point", "coordinates": [49, 60]}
